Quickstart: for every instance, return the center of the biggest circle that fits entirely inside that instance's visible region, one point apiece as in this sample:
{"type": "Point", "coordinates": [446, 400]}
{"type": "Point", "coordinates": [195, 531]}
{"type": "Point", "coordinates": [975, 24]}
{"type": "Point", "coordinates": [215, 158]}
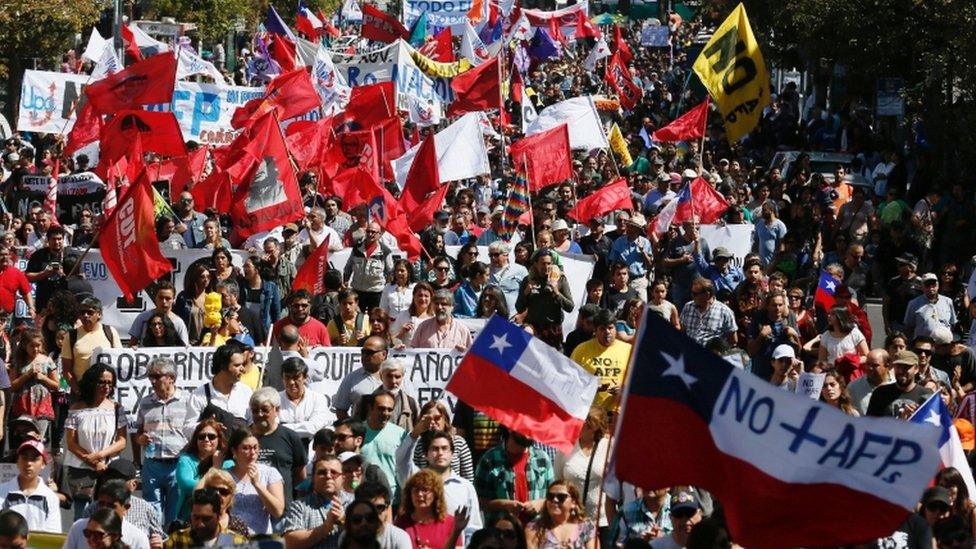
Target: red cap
{"type": "Point", "coordinates": [36, 445]}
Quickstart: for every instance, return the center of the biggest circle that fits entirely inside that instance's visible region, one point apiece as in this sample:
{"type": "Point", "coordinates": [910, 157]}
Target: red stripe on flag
{"type": "Point", "coordinates": [514, 404]}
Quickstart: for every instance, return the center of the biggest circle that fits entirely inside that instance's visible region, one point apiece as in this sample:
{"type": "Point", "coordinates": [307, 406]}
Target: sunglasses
{"type": "Point", "coordinates": [94, 534]}
{"type": "Point", "coordinates": [506, 534]}
{"type": "Point", "coordinates": [442, 269]}
{"type": "Point", "coordinates": [105, 383]}
{"type": "Point", "coordinates": [207, 436]}
{"type": "Point", "coordinates": [683, 513]}
{"type": "Point", "coordinates": [154, 377]}
{"type": "Point", "coordinates": [222, 490]}
{"type": "Point", "coordinates": [370, 352]}
{"type": "Point", "coordinates": [556, 497]}
{"type": "Point", "coordinates": [380, 507]}
{"type": "Point", "coordinates": [340, 437]}
{"type": "Point", "coordinates": [922, 351]}
{"type": "Point", "coordinates": [361, 518]}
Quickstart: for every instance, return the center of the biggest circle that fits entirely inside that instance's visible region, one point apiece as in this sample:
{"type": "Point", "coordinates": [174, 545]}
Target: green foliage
{"type": "Point", "coordinates": [214, 18]}
{"type": "Point", "coordinates": [42, 30]}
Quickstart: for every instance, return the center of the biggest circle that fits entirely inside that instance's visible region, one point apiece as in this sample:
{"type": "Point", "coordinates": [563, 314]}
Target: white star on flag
{"type": "Point", "coordinates": [830, 284]}
{"type": "Point", "coordinates": [676, 368]}
{"type": "Point", "coordinates": [934, 418]}
{"type": "Point", "coordinates": [500, 343]}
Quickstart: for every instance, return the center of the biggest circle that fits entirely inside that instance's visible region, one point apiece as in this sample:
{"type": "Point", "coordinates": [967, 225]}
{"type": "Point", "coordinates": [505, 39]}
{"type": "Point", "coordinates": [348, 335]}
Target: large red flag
{"type": "Point", "coordinates": [548, 156]}
{"type": "Point", "coordinates": [707, 204]}
{"type": "Point", "coordinates": [311, 276]}
{"type": "Point", "coordinates": [388, 136]}
{"type": "Point", "coordinates": [421, 216]}
{"type": "Point", "coordinates": [440, 48]}
{"type": "Point", "coordinates": [585, 28]}
{"type": "Point", "coordinates": [129, 41]}
{"type": "Point", "coordinates": [128, 240]}
{"type": "Point", "coordinates": [381, 27]}
{"type": "Point", "coordinates": [283, 51]}
{"type": "Point", "coordinates": [623, 83]}
{"type": "Point", "coordinates": [159, 131]}
{"type": "Point", "coordinates": [690, 125]}
{"type": "Point", "coordinates": [620, 45]}
{"type": "Point", "coordinates": [147, 82]}
{"type": "Point", "coordinates": [306, 140]}
{"type": "Point", "coordinates": [479, 89]}
{"type": "Point", "coordinates": [213, 192]}
{"type": "Point", "coordinates": [290, 94]}
{"type": "Point", "coordinates": [615, 196]}
{"type": "Point", "coordinates": [406, 238]}
{"type": "Point", "coordinates": [422, 178]}
{"type": "Point", "coordinates": [87, 128]}
{"type": "Point", "coordinates": [180, 172]}
{"type": "Point", "coordinates": [369, 105]}
{"type": "Point", "coordinates": [270, 196]}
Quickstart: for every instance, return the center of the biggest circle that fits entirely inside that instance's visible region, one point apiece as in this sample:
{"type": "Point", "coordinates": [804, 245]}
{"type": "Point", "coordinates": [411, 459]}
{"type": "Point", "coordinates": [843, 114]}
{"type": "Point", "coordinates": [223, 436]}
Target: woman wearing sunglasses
{"type": "Point", "coordinates": [562, 523]}
{"type": "Point", "coordinates": [104, 530]}
{"type": "Point", "coordinates": [205, 450]}
{"type": "Point", "coordinates": [221, 482]}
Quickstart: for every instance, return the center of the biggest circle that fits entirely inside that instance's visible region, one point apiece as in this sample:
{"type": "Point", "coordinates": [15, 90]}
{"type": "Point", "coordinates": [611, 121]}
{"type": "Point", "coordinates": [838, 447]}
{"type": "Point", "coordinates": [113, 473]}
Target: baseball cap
{"type": "Point", "coordinates": [929, 277]}
{"type": "Point", "coordinates": [905, 357]}
{"type": "Point", "coordinates": [684, 500]}
{"type": "Point", "coordinates": [689, 174]}
{"type": "Point", "coordinates": [559, 225]}
{"type": "Point", "coordinates": [722, 252]}
{"type": "Point", "coordinates": [784, 351]}
{"type": "Point", "coordinates": [664, 178]}
{"type": "Point", "coordinates": [289, 227]}
{"type": "Point", "coordinates": [39, 447]}
{"type": "Point", "coordinates": [346, 456]}
{"type": "Point", "coordinates": [637, 220]}
{"type": "Point", "coordinates": [908, 258]}
{"type": "Point", "coordinates": [935, 494]}
{"type": "Point", "coordinates": [121, 468]}
{"type": "Point", "coordinates": [441, 215]}
{"type": "Point", "coordinates": [967, 434]}
{"type": "Point", "coordinates": [28, 420]}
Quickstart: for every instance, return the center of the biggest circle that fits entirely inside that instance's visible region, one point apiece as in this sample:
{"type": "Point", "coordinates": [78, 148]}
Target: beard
{"type": "Point", "coordinates": [442, 317]}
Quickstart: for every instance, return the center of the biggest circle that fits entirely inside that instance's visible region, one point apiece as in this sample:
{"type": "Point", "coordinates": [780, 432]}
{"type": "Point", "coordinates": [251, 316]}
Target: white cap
{"type": "Point", "coordinates": [559, 225]}
{"type": "Point", "coordinates": [689, 174]}
{"type": "Point", "coordinates": [783, 351]}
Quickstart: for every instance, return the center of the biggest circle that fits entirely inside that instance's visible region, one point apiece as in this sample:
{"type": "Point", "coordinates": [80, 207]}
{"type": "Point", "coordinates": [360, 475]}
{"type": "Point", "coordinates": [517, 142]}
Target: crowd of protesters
{"type": "Point", "coordinates": [237, 460]}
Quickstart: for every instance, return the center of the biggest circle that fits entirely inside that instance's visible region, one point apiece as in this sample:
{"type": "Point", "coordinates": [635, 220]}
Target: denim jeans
{"type": "Point", "coordinates": [159, 487]}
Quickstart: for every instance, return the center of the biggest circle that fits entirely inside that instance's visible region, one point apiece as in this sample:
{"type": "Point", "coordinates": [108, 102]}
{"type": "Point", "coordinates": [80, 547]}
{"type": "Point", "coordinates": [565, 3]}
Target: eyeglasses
{"type": "Point", "coordinates": [156, 324]}
{"type": "Point", "coordinates": [361, 518]}
{"type": "Point", "coordinates": [222, 490]}
{"type": "Point", "coordinates": [922, 351]}
{"type": "Point", "coordinates": [341, 436]}
{"type": "Point", "coordinates": [370, 352]}
{"type": "Point", "coordinates": [683, 513]}
{"type": "Point", "coordinates": [155, 377]}
{"type": "Point", "coordinates": [442, 269]}
{"type": "Point", "coordinates": [105, 382]}
{"type": "Point", "coordinates": [494, 254]}
{"type": "Point", "coordinates": [557, 497]}
{"type": "Point", "coordinates": [380, 507]}
{"type": "Point", "coordinates": [207, 436]}
{"type": "Point", "coordinates": [796, 297]}
{"type": "Point", "coordinates": [94, 534]}
{"type": "Point", "coordinates": [329, 473]}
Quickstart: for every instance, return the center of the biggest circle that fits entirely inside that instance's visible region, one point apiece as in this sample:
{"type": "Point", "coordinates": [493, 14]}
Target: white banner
{"type": "Point", "coordinates": [46, 101]}
{"type": "Point", "coordinates": [427, 370]}
{"type": "Point", "coordinates": [79, 183]}
{"type": "Point", "coordinates": [204, 111]}
{"type": "Point", "coordinates": [394, 63]}
{"type": "Point", "coordinates": [737, 239]}
{"type": "Point", "coordinates": [440, 13]}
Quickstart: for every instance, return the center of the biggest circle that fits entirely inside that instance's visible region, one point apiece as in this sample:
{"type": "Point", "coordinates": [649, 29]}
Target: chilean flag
{"type": "Point", "coordinates": [934, 412]}
{"type": "Point", "coordinates": [525, 385]}
{"type": "Point", "coordinates": [669, 213]}
{"type": "Point", "coordinates": [307, 22]}
{"type": "Point", "coordinates": [790, 471]}
{"type": "Point", "coordinates": [824, 296]}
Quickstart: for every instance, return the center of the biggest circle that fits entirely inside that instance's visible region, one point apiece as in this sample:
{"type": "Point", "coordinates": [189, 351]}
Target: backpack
{"type": "Point", "coordinates": [225, 418]}
{"type": "Point", "coordinates": [73, 336]}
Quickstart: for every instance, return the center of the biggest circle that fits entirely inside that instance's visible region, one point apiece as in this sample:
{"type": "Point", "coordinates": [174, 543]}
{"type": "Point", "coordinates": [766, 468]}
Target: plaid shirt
{"type": "Point", "coordinates": [141, 514]}
{"type": "Point", "coordinates": [181, 539]}
{"type": "Point", "coordinates": [635, 519]}
{"type": "Point", "coordinates": [307, 513]}
{"type": "Point", "coordinates": [716, 321]}
{"type": "Point", "coordinates": [494, 477]}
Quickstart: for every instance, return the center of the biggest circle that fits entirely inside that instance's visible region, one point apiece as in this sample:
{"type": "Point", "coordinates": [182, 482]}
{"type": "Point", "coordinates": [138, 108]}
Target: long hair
{"type": "Point", "coordinates": [445, 414]}
{"type": "Point", "coordinates": [950, 478]}
{"type": "Point", "coordinates": [431, 481]}
{"type": "Point", "coordinates": [844, 401]}
{"type": "Point", "coordinates": [20, 351]}
{"type": "Point", "coordinates": [111, 522]}
{"type": "Point", "coordinates": [191, 445]}
{"type": "Point", "coordinates": [193, 276]}
{"type": "Point", "coordinates": [844, 322]}
{"type": "Point", "coordinates": [89, 381]}
{"type": "Point", "coordinates": [545, 523]}
{"type": "Point", "coordinates": [422, 286]}
{"type": "Point", "coordinates": [511, 519]}
{"type": "Point", "coordinates": [501, 306]}
{"type": "Point", "coordinates": [170, 337]}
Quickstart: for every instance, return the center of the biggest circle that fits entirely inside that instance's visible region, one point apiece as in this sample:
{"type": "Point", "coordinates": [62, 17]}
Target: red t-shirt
{"type": "Point", "coordinates": [12, 279]}
{"type": "Point", "coordinates": [314, 332]}
{"type": "Point", "coordinates": [432, 534]}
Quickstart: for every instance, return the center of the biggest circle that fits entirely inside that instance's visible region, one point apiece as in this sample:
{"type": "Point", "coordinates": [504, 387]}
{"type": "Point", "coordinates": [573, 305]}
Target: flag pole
{"type": "Point", "coordinates": [528, 194]}
{"type": "Point", "coordinates": [701, 147]}
{"type": "Point", "coordinates": [501, 108]}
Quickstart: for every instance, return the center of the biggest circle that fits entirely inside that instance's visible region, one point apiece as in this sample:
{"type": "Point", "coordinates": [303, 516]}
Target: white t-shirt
{"type": "Point", "coordinates": [131, 536]}
{"type": "Point", "coordinates": [839, 346]}
{"type": "Point", "coordinates": [32, 507]}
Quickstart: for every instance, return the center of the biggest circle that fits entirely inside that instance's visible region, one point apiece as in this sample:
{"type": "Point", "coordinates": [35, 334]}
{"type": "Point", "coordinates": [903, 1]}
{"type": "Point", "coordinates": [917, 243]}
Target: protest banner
{"type": "Point", "coordinates": [440, 13]}
{"type": "Point", "coordinates": [655, 36]}
{"type": "Point", "coordinates": [426, 371]}
{"type": "Point", "coordinates": [393, 63]}
{"type": "Point", "coordinates": [737, 239]}
{"type": "Point", "coordinates": [810, 384]}
{"type": "Point", "coordinates": [76, 192]}
{"type": "Point", "coordinates": [204, 111]}
{"type": "Point", "coordinates": [47, 101]}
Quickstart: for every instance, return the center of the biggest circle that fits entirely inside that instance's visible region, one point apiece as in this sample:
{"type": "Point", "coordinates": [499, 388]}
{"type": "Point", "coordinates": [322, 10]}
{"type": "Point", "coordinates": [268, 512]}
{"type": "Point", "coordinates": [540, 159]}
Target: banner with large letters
{"type": "Point", "coordinates": [426, 371]}
{"type": "Point", "coordinates": [47, 101]}
{"type": "Point", "coordinates": [440, 13]}
{"type": "Point", "coordinates": [393, 63]}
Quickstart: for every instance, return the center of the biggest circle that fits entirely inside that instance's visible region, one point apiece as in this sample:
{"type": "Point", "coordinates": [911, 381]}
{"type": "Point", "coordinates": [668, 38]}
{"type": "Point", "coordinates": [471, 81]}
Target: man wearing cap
{"type": "Point", "coordinates": [504, 274]}
{"type": "Point", "coordinates": [561, 241]}
{"type": "Point", "coordinates": [634, 250]}
{"type": "Point", "coordinates": [904, 396]}
{"type": "Point", "coordinates": [930, 310]}
{"type": "Point", "coordinates": [679, 261]}
{"type": "Point", "coordinates": [606, 357]}
{"type": "Point", "coordinates": [685, 514]}
{"type": "Point", "coordinates": [81, 342]}
{"type": "Point", "coordinates": [28, 494]}
{"type": "Point", "coordinates": [899, 291]}
{"type": "Point", "coordinates": [660, 195]}
{"type": "Point", "coordinates": [877, 372]}
{"type": "Point", "coordinates": [786, 367]}
{"type": "Point", "coordinates": [597, 244]}
{"type": "Point", "coordinates": [723, 274]}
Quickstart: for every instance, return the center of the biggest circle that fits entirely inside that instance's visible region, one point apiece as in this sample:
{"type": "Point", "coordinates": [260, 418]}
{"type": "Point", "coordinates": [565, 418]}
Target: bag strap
{"type": "Point", "coordinates": [206, 390]}
{"type": "Point", "coordinates": [589, 469]}
{"type": "Point", "coordinates": [108, 334]}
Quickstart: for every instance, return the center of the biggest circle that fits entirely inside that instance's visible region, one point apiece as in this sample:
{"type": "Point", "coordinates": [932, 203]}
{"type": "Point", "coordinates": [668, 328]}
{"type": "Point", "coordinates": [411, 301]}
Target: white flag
{"type": "Point", "coordinates": [191, 64]}
{"type": "Point", "coordinates": [486, 128]}
{"type": "Point", "coordinates": [461, 152]}
{"type": "Point", "coordinates": [95, 47]}
{"type": "Point", "coordinates": [108, 63]}
{"type": "Point", "coordinates": [585, 130]}
{"type": "Point", "coordinates": [423, 112]}
{"type": "Point", "coordinates": [307, 50]}
{"type": "Point", "coordinates": [148, 45]}
{"type": "Point", "coordinates": [528, 114]}
{"type": "Point", "coordinates": [522, 30]}
{"type": "Point", "coordinates": [472, 47]}
{"type": "Point", "coordinates": [599, 51]}
{"type": "Point", "coordinates": [351, 11]}
{"type": "Point", "coordinates": [329, 82]}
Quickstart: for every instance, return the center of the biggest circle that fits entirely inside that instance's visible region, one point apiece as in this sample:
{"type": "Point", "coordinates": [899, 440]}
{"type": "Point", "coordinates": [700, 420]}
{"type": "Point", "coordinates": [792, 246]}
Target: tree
{"type": "Point", "coordinates": [41, 32]}
{"type": "Point", "coordinates": [214, 18]}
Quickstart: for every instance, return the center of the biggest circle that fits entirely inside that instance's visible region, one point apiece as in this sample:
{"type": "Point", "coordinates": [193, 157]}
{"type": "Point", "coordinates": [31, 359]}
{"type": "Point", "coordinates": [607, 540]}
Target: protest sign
{"type": "Point", "coordinates": [655, 36]}
{"type": "Point", "coordinates": [47, 101]}
{"type": "Point", "coordinates": [809, 384]}
{"type": "Point", "coordinates": [426, 371]}
{"type": "Point", "coordinates": [393, 63]}
{"type": "Point", "coordinates": [440, 13]}
{"type": "Point", "coordinates": [737, 239]}
{"type": "Point", "coordinates": [204, 111]}
{"type": "Point", "coordinates": [76, 192]}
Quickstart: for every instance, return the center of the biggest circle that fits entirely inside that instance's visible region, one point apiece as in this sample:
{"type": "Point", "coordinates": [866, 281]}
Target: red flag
{"type": "Point", "coordinates": [388, 136]}
{"type": "Point", "coordinates": [352, 184]}
{"type": "Point", "coordinates": [585, 28]}
{"type": "Point", "coordinates": [289, 94]}
{"type": "Point", "coordinates": [270, 197]}
{"type": "Point", "coordinates": [556, 30]}
{"type": "Point", "coordinates": [518, 85]}
{"type": "Point", "coordinates": [548, 156]}
{"type": "Point", "coordinates": [328, 29]}
{"type": "Point", "coordinates": [369, 105]}
{"type": "Point", "coordinates": [422, 178]}
{"type": "Point", "coordinates": [690, 125]}
{"type": "Point", "coordinates": [282, 50]}
{"type": "Point", "coordinates": [213, 192]}
{"type": "Point", "coordinates": [477, 11]}
{"type": "Point", "coordinates": [615, 196]}
{"type": "Point", "coordinates": [306, 139]}
{"type": "Point", "coordinates": [619, 78]}
{"type": "Point", "coordinates": [440, 48]}
{"type": "Point", "coordinates": [381, 27]}
{"type": "Point", "coordinates": [147, 82]}
{"type": "Point", "coordinates": [421, 216]}
{"type": "Point", "coordinates": [87, 128]}
{"type": "Point", "coordinates": [128, 240]}
{"type": "Point", "coordinates": [707, 204]}
{"type": "Point", "coordinates": [406, 239]}
{"type": "Point", "coordinates": [159, 131]}
{"type": "Point", "coordinates": [129, 40]}
{"type": "Point", "coordinates": [180, 172]}
{"type": "Point", "coordinates": [355, 149]}
{"type": "Point", "coordinates": [620, 45]}
{"type": "Point", "coordinates": [311, 276]}
{"type": "Point", "coordinates": [477, 90]}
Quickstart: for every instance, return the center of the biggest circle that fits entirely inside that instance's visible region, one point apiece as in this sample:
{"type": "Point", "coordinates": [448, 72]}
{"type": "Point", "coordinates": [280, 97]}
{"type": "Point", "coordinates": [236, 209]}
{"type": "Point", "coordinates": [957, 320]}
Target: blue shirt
{"type": "Point", "coordinates": [630, 254]}
{"type": "Point", "coordinates": [508, 279]}
{"type": "Point", "coordinates": [768, 237]}
{"type": "Point", "coordinates": [728, 280]}
{"type": "Point", "coordinates": [466, 300]}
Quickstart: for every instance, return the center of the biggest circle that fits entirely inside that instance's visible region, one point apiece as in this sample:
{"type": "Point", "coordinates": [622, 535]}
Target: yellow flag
{"type": "Point", "coordinates": [619, 145]}
{"type": "Point", "coordinates": [732, 68]}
